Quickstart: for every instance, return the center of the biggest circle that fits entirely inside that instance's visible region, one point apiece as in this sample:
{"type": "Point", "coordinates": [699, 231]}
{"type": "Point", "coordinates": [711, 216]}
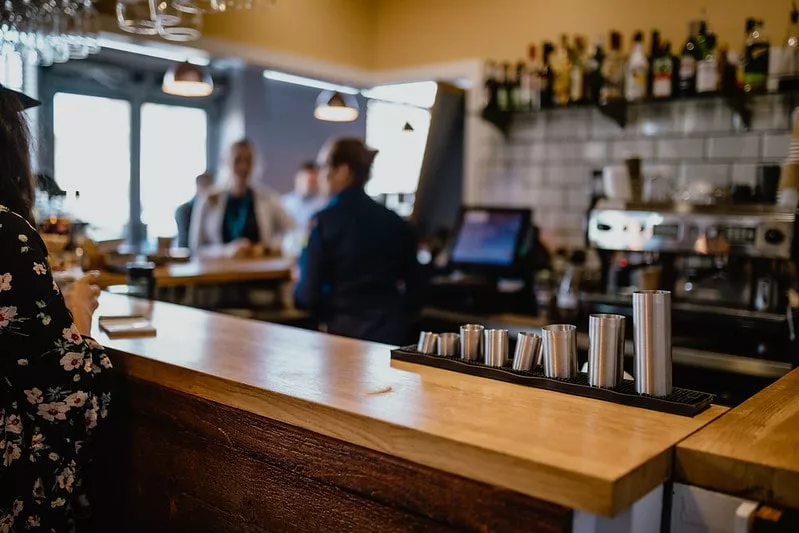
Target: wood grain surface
{"type": "Point", "coordinates": [576, 452]}
{"type": "Point", "coordinates": [210, 272]}
{"type": "Point", "coordinates": [752, 451]}
{"type": "Point", "coordinates": [199, 466]}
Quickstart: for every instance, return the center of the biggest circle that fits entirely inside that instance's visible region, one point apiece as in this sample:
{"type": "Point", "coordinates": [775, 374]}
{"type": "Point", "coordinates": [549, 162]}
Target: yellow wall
{"type": "Point", "coordinates": [338, 31]}
{"type": "Point", "coordinates": [385, 34]}
{"type": "Point", "coordinates": [414, 32]}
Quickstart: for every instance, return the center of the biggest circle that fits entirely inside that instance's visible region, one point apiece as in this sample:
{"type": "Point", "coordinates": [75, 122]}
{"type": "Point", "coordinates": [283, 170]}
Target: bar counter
{"type": "Point", "coordinates": [241, 425]}
{"type": "Point", "coordinates": [751, 452]}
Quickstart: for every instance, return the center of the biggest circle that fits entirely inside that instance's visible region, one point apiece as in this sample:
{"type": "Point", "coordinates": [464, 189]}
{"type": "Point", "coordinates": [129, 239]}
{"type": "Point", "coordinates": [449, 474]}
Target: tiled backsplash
{"type": "Point", "coordinates": [547, 161]}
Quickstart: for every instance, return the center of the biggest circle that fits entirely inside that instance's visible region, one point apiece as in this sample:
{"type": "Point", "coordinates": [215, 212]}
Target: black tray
{"type": "Point", "coordinates": [682, 402]}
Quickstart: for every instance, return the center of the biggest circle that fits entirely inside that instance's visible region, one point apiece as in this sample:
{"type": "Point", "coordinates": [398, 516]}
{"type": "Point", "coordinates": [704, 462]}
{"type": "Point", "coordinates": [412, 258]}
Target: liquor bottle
{"type": "Point", "coordinates": [577, 90]}
{"type": "Point", "coordinates": [637, 71]}
{"type": "Point", "coordinates": [655, 49]}
{"type": "Point", "coordinates": [613, 71]}
{"type": "Point", "coordinates": [594, 70]}
{"type": "Point", "coordinates": [504, 87]}
{"type": "Point", "coordinates": [663, 73]}
{"type": "Point", "coordinates": [756, 57]}
{"type": "Point", "coordinates": [547, 77]}
{"type": "Point", "coordinates": [490, 86]}
{"type": "Point", "coordinates": [707, 67]}
{"type": "Point", "coordinates": [688, 63]}
{"type": "Point", "coordinates": [790, 52]}
{"type": "Point", "coordinates": [534, 77]}
{"type": "Point", "coordinates": [522, 96]}
{"type": "Point", "coordinates": [561, 68]}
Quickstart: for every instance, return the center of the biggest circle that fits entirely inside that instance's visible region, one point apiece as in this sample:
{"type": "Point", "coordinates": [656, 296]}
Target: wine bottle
{"type": "Point", "coordinates": [637, 71]}
{"type": "Point", "coordinates": [504, 87]}
{"type": "Point", "coordinates": [594, 70]}
{"type": "Point", "coordinates": [490, 86]}
{"type": "Point", "coordinates": [522, 97]}
{"type": "Point", "coordinates": [534, 76]}
{"type": "Point", "coordinates": [707, 69]}
{"type": "Point", "coordinates": [561, 68]}
{"type": "Point", "coordinates": [655, 49]}
{"type": "Point", "coordinates": [688, 62]}
{"type": "Point", "coordinates": [577, 90]}
{"type": "Point", "coordinates": [613, 71]}
{"type": "Point", "coordinates": [663, 73]}
{"type": "Point", "coordinates": [756, 57]}
{"type": "Point", "coordinates": [790, 53]}
{"type": "Point", "coordinates": [547, 77]}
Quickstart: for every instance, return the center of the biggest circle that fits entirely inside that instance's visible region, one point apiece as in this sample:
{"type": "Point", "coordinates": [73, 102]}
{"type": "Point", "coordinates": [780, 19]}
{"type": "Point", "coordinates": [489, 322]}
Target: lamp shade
{"type": "Point", "coordinates": [333, 106]}
{"type": "Point", "coordinates": [189, 80]}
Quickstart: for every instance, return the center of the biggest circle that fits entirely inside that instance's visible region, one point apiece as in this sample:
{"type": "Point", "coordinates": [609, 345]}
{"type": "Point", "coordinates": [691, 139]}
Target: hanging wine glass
{"type": "Point", "coordinates": [137, 16]}
{"type": "Point", "coordinates": [176, 25]}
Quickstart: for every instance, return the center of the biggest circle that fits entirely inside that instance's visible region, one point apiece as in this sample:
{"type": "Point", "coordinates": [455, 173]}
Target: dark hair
{"type": "Point", "coordinates": [241, 143]}
{"type": "Point", "coordinates": [16, 181]}
{"type": "Point", "coordinates": [205, 176]}
{"type": "Point", "coordinates": [309, 165]}
{"type": "Point", "coordinates": [356, 155]}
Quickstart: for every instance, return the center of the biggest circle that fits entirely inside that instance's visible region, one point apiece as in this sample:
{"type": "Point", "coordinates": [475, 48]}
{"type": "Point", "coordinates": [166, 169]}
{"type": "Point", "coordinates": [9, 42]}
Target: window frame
{"type": "Point", "coordinates": [145, 88]}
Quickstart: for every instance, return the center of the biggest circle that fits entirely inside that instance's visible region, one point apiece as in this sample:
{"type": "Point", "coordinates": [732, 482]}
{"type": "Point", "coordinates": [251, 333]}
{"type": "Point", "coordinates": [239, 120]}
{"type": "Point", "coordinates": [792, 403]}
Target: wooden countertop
{"type": "Point", "coordinates": [210, 272]}
{"type": "Point", "coordinates": [752, 451]}
{"type": "Point", "coordinates": [581, 453]}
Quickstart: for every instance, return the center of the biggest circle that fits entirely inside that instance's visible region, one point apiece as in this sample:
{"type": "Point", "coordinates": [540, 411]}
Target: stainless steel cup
{"type": "Point", "coordinates": [652, 337]}
{"type": "Point", "coordinates": [472, 342]}
{"type": "Point", "coordinates": [528, 351]}
{"type": "Point", "coordinates": [495, 343]}
{"type": "Point", "coordinates": [427, 342]}
{"type": "Point", "coordinates": [605, 350]}
{"type": "Point", "coordinates": [560, 350]}
{"type": "Point", "coordinates": [448, 344]}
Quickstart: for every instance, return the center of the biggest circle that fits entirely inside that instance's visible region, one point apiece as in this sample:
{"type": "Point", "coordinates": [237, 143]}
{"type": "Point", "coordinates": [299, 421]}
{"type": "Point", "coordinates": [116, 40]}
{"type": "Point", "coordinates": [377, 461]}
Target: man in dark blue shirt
{"type": "Point", "coordinates": [184, 211]}
{"type": "Point", "coordinates": [358, 272]}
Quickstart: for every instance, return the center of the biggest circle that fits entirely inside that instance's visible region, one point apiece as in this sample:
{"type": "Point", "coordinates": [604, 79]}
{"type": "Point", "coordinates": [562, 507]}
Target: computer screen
{"type": "Point", "coordinates": [489, 236]}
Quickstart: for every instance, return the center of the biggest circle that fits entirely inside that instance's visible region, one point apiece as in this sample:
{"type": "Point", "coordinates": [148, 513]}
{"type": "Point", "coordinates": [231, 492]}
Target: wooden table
{"type": "Point", "coordinates": [752, 451]}
{"type": "Point", "coordinates": [575, 452]}
{"type": "Point", "coordinates": [211, 272]}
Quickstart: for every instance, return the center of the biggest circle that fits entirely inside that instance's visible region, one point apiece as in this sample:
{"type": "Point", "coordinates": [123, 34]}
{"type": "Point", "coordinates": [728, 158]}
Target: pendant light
{"type": "Point", "coordinates": [189, 80]}
{"type": "Point", "coordinates": [333, 106]}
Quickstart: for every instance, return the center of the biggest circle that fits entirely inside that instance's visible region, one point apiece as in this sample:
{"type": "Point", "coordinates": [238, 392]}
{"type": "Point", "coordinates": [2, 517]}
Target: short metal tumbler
{"type": "Point", "coordinates": [652, 336]}
{"type": "Point", "coordinates": [528, 351]}
{"type": "Point", "coordinates": [427, 342]}
{"type": "Point", "coordinates": [495, 344]}
{"type": "Point", "coordinates": [560, 350]}
{"type": "Point", "coordinates": [448, 344]}
{"type": "Point", "coordinates": [605, 350]}
{"type": "Point", "coordinates": [472, 342]}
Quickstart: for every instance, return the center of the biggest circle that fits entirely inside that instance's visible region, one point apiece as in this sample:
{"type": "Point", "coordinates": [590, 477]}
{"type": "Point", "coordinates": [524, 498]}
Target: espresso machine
{"type": "Point", "coordinates": [729, 268]}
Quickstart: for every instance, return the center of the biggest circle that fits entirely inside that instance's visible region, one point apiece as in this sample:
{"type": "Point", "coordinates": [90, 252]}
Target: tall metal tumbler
{"type": "Point", "coordinates": [652, 336]}
{"type": "Point", "coordinates": [560, 350]}
{"type": "Point", "coordinates": [495, 344]}
{"type": "Point", "coordinates": [605, 350]}
{"type": "Point", "coordinates": [448, 344]}
{"type": "Point", "coordinates": [472, 342]}
{"type": "Point", "coordinates": [528, 351]}
{"type": "Point", "coordinates": [427, 342]}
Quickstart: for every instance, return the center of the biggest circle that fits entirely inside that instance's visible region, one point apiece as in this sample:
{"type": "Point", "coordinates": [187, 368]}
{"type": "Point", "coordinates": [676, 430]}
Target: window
{"type": "Point", "coordinates": [400, 153]}
{"type": "Point", "coordinates": [92, 156]}
{"type": "Point", "coordinates": [173, 154]}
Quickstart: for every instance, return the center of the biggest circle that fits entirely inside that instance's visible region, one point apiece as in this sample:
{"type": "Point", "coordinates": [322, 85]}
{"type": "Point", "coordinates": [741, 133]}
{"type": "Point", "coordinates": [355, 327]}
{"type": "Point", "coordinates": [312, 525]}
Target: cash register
{"type": "Point", "coordinates": [487, 268]}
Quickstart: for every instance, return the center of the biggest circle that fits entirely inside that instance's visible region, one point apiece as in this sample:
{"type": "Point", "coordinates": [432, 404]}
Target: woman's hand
{"type": "Point", "coordinates": [81, 299]}
{"type": "Point", "coordinates": [238, 249]}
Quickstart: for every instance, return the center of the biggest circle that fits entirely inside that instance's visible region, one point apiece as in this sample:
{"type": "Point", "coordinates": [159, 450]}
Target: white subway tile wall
{"type": "Point", "coordinates": [548, 159]}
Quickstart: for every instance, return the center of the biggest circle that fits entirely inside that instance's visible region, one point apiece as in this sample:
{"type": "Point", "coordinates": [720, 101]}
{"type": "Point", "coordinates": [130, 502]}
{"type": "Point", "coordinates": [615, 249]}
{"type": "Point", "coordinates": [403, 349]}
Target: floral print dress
{"type": "Point", "coordinates": [53, 389]}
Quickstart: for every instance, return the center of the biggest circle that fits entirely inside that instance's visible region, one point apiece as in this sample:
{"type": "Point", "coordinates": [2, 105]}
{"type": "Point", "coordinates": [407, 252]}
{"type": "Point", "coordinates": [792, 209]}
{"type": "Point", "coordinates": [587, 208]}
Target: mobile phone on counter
{"type": "Point", "coordinates": [118, 327]}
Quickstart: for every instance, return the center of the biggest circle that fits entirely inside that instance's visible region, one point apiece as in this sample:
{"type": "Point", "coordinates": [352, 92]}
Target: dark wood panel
{"type": "Point", "coordinates": [194, 465]}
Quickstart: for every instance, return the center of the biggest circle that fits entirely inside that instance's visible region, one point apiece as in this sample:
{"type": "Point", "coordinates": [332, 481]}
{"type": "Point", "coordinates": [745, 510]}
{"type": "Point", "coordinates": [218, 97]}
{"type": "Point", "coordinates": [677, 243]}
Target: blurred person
{"type": "Point", "coordinates": [358, 273]}
{"type": "Point", "coordinates": [242, 220]}
{"type": "Point", "coordinates": [55, 387]}
{"type": "Point", "coordinates": [306, 200]}
{"type": "Point", "coordinates": [203, 184]}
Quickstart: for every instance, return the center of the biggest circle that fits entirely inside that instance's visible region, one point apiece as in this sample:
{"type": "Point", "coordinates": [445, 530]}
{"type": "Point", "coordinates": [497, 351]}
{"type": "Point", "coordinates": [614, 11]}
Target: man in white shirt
{"type": "Point", "coordinates": [306, 200]}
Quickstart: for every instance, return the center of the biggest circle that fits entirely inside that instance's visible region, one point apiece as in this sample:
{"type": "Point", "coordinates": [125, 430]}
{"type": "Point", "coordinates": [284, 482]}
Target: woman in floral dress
{"type": "Point", "coordinates": [53, 377]}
